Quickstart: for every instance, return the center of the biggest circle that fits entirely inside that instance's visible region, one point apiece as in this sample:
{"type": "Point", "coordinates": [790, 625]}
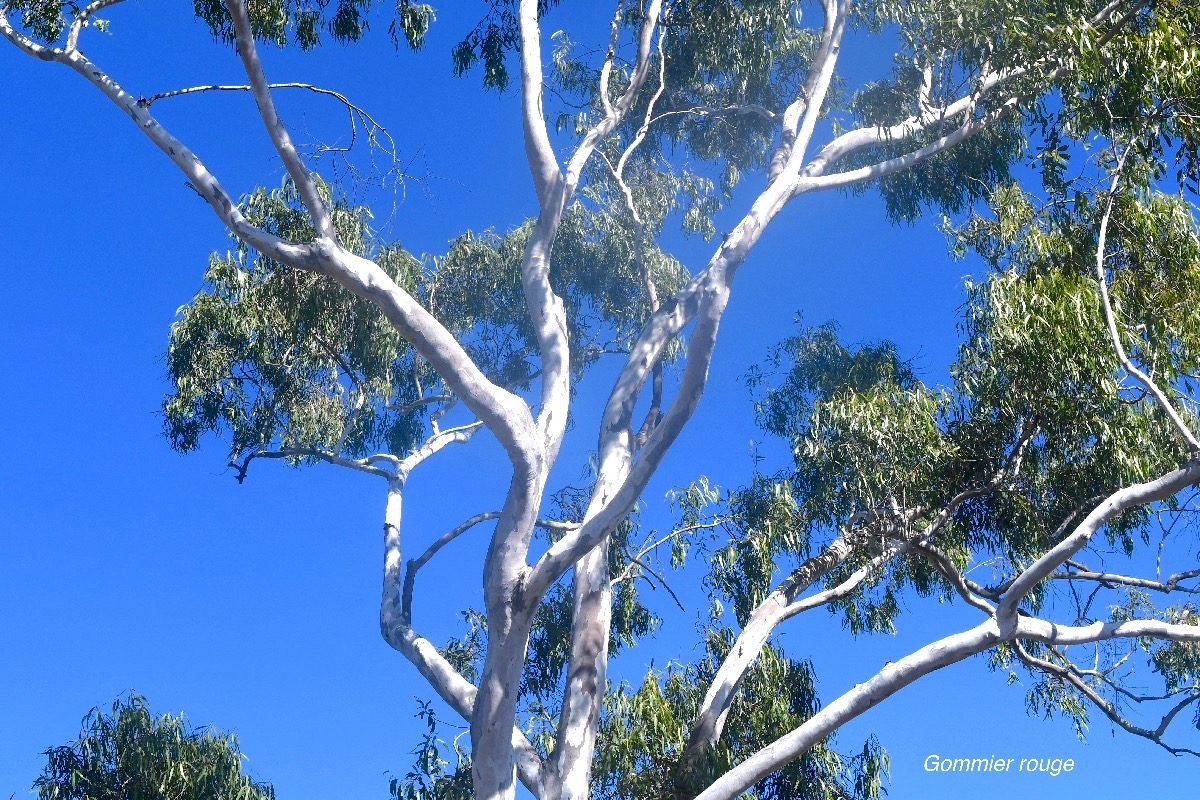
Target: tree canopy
{"type": "Point", "coordinates": [129, 754]}
{"type": "Point", "coordinates": [1056, 142]}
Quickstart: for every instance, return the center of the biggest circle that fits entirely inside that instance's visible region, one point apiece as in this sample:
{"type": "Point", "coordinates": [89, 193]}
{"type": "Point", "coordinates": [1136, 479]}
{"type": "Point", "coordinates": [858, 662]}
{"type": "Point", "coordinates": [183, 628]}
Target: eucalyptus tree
{"type": "Point", "coordinates": [129, 753]}
{"type": "Point", "coordinates": [1069, 423]}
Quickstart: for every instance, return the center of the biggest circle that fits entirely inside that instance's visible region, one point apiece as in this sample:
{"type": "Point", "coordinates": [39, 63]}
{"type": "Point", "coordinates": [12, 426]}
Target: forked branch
{"type": "Point", "coordinates": [1070, 674]}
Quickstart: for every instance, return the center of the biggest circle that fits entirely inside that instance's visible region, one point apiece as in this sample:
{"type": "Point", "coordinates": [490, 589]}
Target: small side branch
{"type": "Point", "coordinates": [1111, 580]}
{"type": "Point", "coordinates": [1070, 674]}
{"type": "Point", "coordinates": [436, 443]}
{"type": "Point", "coordinates": [1132, 496]}
{"type": "Point", "coordinates": [459, 693]}
{"type": "Point", "coordinates": [367, 465]}
{"type": "Point", "coordinates": [415, 564]}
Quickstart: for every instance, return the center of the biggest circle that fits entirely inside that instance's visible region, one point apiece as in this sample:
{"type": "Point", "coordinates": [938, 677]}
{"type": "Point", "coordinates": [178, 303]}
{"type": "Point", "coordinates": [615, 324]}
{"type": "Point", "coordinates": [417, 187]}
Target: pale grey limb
{"type": "Point", "coordinates": [459, 693]}
{"type": "Point", "coordinates": [1111, 580]}
{"type": "Point", "coordinates": [415, 564]}
{"type": "Point", "coordinates": [301, 177]}
{"type": "Point", "coordinates": [1128, 497]}
{"type": "Point", "coordinates": [83, 17]}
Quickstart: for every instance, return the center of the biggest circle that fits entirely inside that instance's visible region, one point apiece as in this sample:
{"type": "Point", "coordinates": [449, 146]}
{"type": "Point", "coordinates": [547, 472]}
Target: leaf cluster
{"type": "Point", "coordinates": [1038, 423]}
{"type": "Point", "coordinates": [277, 358]}
{"type": "Point", "coordinates": [129, 754]}
{"type": "Point", "coordinates": [302, 23]}
{"type": "Point", "coordinates": [644, 732]}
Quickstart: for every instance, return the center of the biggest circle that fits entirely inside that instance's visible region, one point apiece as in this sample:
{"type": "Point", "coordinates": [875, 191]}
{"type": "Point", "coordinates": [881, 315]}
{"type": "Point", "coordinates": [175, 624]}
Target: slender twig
{"type": "Point", "coordinates": [360, 464]}
{"type": "Point", "coordinates": [1110, 580]}
{"type": "Point", "coordinates": [1069, 675]}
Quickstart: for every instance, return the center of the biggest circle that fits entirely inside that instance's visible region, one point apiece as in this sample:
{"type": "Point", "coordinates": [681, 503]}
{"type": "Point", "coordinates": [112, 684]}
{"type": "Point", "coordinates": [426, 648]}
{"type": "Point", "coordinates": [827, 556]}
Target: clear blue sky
{"type": "Point", "coordinates": [124, 566]}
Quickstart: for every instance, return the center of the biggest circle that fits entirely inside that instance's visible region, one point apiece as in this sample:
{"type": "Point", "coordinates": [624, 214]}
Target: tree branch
{"type": "Point", "coordinates": [82, 17]}
{"type": "Point", "coordinates": [889, 680]}
{"type": "Point", "coordinates": [1110, 319]}
{"type": "Point", "coordinates": [813, 178]}
{"type": "Point", "coordinates": [1070, 674]}
{"type": "Point", "coordinates": [366, 465]}
{"type": "Point", "coordinates": [248, 51]}
{"type": "Point", "coordinates": [543, 165]}
{"type": "Point", "coordinates": [1040, 630]}
{"type": "Point", "coordinates": [1121, 500]}
{"type": "Point", "coordinates": [782, 604]}
{"type": "Point", "coordinates": [450, 685]}
{"type": "Point", "coordinates": [1109, 580]}
{"type": "Point", "coordinates": [414, 564]}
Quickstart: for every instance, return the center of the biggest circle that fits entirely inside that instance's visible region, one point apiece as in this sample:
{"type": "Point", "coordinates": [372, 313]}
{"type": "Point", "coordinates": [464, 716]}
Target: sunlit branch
{"type": "Point", "coordinates": [1110, 580]}
{"type": "Point", "coordinates": [893, 677]}
{"type": "Point", "coordinates": [458, 693]}
{"type": "Point", "coordinates": [415, 564]}
{"type": "Point", "coordinates": [1114, 334]}
{"type": "Point", "coordinates": [543, 165]}
{"type": "Point", "coordinates": [1028, 627]}
{"type": "Point", "coordinates": [248, 51]}
{"type": "Point", "coordinates": [813, 177]}
{"type": "Point", "coordinates": [807, 109]}
{"type": "Point", "coordinates": [366, 465]}
{"type": "Point", "coordinates": [654, 413]}
{"type": "Point", "coordinates": [203, 181]}
{"type": "Point", "coordinates": [82, 17]}
{"type": "Point", "coordinates": [796, 111]}
{"type": "Point", "coordinates": [784, 602]}
{"type": "Point", "coordinates": [1129, 497]}
{"type": "Point", "coordinates": [614, 31]}
{"type": "Point", "coordinates": [436, 442]}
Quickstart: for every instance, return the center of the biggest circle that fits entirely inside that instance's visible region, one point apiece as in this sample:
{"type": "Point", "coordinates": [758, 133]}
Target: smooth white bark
{"type": "Point", "coordinates": [512, 589]}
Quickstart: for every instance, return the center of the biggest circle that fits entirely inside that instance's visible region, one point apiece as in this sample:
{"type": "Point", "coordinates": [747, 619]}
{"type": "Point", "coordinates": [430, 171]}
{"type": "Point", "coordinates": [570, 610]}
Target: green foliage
{"type": "Point", "coordinates": [476, 290]}
{"type": "Point", "coordinates": [1178, 662]}
{"type": "Point", "coordinates": [131, 755]}
{"type": "Point", "coordinates": [733, 55]}
{"type": "Point", "coordinates": [492, 40]}
{"type": "Point", "coordinates": [433, 775]}
{"type": "Point", "coordinates": [44, 19]}
{"type": "Point", "coordinates": [277, 358]}
{"type": "Point", "coordinates": [1037, 422]}
{"type": "Point", "coordinates": [644, 731]}
{"type": "Point", "coordinates": [274, 356]}
{"type": "Point", "coordinates": [1037, 393]}
{"type": "Point", "coordinates": [302, 22]}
